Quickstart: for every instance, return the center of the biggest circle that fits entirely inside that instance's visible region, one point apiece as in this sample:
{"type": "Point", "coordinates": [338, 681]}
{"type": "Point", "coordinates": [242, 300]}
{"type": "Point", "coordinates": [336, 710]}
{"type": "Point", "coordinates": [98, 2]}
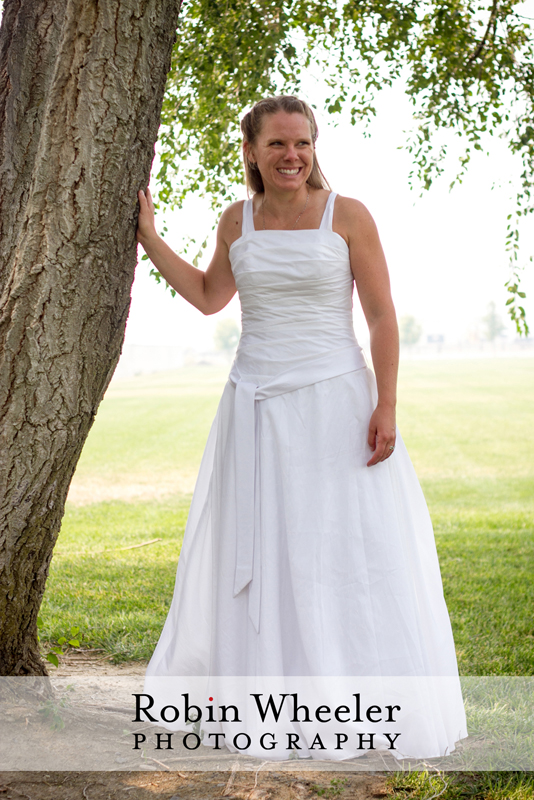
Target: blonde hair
{"type": "Point", "coordinates": [251, 126]}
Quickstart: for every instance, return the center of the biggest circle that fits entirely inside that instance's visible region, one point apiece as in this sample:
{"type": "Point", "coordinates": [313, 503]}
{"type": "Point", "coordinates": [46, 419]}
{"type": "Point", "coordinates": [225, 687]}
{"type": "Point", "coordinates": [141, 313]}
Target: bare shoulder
{"type": "Point", "coordinates": [230, 223]}
{"type": "Point", "coordinates": [354, 222]}
{"type": "Point", "coordinates": [352, 215]}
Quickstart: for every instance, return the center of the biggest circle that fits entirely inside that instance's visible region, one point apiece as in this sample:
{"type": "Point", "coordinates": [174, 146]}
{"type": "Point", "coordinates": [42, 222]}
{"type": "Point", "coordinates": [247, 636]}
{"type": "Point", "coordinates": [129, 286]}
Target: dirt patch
{"type": "Point", "coordinates": [190, 786]}
{"type": "Point", "coordinates": [95, 662]}
{"type": "Point", "coordinates": [138, 487]}
{"type": "Point", "coordinates": [251, 783]}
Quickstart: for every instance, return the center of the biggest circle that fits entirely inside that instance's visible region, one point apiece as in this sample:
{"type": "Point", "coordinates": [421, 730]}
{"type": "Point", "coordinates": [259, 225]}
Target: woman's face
{"type": "Point", "coordinates": [283, 151]}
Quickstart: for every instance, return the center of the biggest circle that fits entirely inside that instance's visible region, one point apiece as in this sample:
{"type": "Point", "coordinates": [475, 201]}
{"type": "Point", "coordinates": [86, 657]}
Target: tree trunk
{"type": "Point", "coordinates": [81, 87]}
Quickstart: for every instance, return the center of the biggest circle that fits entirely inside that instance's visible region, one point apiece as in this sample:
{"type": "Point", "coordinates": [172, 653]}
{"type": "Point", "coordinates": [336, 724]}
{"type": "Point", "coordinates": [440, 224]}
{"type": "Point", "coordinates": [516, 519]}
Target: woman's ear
{"type": "Point", "coordinates": [249, 155]}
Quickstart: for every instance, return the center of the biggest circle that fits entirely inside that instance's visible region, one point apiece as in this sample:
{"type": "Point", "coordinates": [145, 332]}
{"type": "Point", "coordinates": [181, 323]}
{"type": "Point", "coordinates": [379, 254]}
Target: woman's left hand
{"type": "Point", "coordinates": [146, 224]}
{"type": "Point", "coordinates": [382, 434]}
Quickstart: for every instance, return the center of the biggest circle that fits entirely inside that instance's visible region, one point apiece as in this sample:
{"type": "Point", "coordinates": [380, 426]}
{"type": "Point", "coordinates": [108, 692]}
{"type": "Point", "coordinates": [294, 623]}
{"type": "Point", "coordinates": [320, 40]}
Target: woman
{"type": "Point", "coordinates": [308, 550]}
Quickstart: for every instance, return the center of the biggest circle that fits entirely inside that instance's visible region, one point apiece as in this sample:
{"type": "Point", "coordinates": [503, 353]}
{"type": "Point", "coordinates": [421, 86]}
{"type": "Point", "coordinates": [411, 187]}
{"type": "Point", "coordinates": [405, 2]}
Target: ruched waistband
{"type": "Point", "coordinates": [304, 373]}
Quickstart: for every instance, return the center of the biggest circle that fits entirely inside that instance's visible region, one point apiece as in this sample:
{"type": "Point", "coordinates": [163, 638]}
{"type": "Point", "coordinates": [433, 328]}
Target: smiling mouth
{"type": "Point", "coordinates": [287, 171]}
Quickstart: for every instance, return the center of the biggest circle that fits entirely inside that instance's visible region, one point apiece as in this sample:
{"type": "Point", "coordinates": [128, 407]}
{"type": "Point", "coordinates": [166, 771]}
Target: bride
{"type": "Point", "coordinates": [309, 557]}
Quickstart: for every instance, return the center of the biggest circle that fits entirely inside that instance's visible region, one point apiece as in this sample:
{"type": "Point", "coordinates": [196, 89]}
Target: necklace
{"type": "Point", "coordinates": [296, 221]}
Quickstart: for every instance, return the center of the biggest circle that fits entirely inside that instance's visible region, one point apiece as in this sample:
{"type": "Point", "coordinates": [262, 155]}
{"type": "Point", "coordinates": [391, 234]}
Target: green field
{"type": "Point", "coordinates": [468, 426]}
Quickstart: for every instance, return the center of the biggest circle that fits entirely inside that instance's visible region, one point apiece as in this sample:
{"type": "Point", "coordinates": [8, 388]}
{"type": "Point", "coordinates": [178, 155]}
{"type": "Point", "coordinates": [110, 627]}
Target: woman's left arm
{"type": "Point", "coordinates": [371, 276]}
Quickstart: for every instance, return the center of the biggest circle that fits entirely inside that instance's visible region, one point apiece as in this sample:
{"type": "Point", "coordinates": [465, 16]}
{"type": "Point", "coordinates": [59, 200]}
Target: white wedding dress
{"type": "Point", "coordinates": [298, 559]}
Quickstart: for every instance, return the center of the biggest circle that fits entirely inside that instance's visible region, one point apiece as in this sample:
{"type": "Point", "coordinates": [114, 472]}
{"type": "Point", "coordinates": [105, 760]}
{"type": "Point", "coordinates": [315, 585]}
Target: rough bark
{"type": "Point", "coordinates": [81, 86]}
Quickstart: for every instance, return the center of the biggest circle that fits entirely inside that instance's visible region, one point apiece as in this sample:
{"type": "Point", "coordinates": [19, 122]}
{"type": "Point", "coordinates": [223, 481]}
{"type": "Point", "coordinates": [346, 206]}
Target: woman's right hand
{"type": "Point", "coordinates": [146, 225]}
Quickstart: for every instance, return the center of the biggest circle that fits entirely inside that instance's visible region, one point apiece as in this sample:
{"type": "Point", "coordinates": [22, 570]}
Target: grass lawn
{"type": "Point", "coordinates": [468, 426]}
{"type": "Point", "coordinates": [460, 786]}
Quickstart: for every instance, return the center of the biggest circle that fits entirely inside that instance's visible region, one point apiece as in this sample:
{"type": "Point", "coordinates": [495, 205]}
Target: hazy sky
{"type": "Point", "coordinates": [445, 250]}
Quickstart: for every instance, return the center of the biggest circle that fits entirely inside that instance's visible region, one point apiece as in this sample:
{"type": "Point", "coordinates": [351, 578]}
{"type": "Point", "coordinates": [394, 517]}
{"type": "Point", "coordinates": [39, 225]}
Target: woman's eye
{"type": "Point", "coordinates": [299, 144]}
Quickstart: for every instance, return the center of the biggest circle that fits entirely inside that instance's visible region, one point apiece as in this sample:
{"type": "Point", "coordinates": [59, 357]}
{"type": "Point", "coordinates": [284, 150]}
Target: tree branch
{"type": "Point", "coordinates": [491, 22]}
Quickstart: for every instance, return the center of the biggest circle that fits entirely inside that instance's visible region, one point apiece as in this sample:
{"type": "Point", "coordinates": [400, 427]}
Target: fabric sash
{"type": "Point", "coordinates": [305, 373]}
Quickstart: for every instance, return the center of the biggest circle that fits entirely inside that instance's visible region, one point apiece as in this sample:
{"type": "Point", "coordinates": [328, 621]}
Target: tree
{"type": "Point", "coordinates": [81, 87]}
{"type": "Point", "coordinates": [226, 334]}
{"type": "Point", "coordinates": [493, 324]}
{"type": "Point", "coordinates": [467, 67]}
{"type": "Point", "coordinates": [409, 330]}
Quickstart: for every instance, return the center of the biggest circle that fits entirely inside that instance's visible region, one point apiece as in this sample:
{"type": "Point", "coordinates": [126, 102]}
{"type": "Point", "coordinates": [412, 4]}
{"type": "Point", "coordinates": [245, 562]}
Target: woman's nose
{"type": "Point", "coordinates": [291, 153]}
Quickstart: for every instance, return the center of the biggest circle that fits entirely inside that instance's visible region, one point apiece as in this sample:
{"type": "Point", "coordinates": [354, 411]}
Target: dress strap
{"type": "Point", "coordinates": [248, 220]}
{"type": "Point", "coordinates": [326, 222]}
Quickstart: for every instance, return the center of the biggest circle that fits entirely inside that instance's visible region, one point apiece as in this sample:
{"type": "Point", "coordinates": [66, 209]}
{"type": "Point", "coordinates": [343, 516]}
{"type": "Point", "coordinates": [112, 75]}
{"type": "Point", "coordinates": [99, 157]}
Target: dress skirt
{"type": "Point", "coordinates": [346, 567]}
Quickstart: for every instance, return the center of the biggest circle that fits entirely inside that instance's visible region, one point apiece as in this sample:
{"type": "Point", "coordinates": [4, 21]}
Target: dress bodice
{"type": "Point", "coordinates": [296, 291]}
{"type": "Point", "coordinates": [295, 288]}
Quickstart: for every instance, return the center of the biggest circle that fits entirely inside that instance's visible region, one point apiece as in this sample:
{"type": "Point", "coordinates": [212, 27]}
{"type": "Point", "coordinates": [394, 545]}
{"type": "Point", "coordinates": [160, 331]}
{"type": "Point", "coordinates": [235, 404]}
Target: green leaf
{"type": "Point", "coordinates": [52, 659]}
{"type": "Point", "coordinates": [461, 75]}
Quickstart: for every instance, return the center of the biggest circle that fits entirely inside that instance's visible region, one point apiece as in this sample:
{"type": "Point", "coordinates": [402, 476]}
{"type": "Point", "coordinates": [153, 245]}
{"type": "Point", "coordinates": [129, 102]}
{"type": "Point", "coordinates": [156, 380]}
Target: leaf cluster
{"type": "Point", "coordinates": [336, 788]}
{"type": "Point", "coordinates": [226, 56]}
{"type": "Point", "coordinates": [51, 711]}
{"type": "Point", "coordinates": [62, 645]}
{"type": "Point", "coordinates": [467, 67]}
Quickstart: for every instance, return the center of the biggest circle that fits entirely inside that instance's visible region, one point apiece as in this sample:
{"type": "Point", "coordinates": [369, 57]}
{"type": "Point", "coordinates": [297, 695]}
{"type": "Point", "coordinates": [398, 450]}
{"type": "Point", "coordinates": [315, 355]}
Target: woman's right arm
{"type": "Point", "coordinates": [209, 291]}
